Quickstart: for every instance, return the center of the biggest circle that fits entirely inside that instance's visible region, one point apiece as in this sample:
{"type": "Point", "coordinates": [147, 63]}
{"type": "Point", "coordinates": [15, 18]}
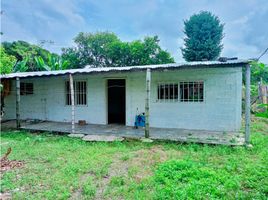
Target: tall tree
{"type": "Point", "coordinates": [91, 49]}
{"type": "Point", "coordinates": [104, 49]}
{"type": "Point", "coordinates": [203, 36]}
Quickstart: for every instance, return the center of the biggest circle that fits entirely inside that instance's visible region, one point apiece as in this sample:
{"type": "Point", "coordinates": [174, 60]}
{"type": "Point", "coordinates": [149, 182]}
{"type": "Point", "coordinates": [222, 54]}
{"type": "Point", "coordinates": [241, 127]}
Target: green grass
{"type": "Point", "coordinates": [57, 167]}
{"type": "Point", "coordinates": [88, 188]}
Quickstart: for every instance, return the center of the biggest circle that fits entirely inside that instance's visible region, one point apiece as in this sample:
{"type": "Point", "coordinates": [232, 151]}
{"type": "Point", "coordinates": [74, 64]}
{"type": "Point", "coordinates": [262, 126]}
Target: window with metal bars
{"type": "Point", "coordinates": [167, 91]}
{"type": "Point", "coordinates": [26, 88]}
{"type": "Point", "coordinates": [192, 91]}
{"type": "Point", "coordinates": [80, 93]}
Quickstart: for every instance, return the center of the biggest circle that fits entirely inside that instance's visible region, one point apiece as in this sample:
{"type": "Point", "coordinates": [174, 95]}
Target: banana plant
{"type": "Point", "coordinates": [21, 66]}
{"type": "Point", "coordinates": [41, 63]}
{"type": "Point", "coordinates": [54, 63]}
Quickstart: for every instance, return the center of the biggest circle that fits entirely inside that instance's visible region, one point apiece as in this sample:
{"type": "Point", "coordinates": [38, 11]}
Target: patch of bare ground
{"type": "Point", "coordinates": [7, 164]}
{"type": "Point", "coordinates": [262, 124]}
{"type": "Point", "coordinates": [77, 194]}
{"type": "Point", "coordinates": [142, 161]}
{"type": "Point", "coordinates": [5, 196]}
{"type": "Point", "coordinates": [117, 167]}
{"type": "Point", "coordinates": [145, 159]}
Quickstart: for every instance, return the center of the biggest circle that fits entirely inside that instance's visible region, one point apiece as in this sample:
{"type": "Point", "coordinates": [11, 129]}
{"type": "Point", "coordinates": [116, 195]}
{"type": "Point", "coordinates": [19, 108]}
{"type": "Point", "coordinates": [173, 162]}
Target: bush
{"type": "Point", "coordinates": [265, 111]}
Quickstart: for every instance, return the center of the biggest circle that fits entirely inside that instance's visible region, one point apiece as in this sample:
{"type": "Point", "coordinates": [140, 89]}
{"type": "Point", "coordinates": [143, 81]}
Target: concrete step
{"type": "Point", "coordinates": [102, 138]}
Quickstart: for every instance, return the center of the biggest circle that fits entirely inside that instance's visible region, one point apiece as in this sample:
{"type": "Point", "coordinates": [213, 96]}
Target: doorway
{"type": "Point", "coordinates": [116, 101]}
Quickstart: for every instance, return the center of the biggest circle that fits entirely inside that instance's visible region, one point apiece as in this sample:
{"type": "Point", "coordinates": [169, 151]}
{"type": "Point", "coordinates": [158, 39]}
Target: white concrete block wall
{"type": "Point", "coordinates": [221, 109]}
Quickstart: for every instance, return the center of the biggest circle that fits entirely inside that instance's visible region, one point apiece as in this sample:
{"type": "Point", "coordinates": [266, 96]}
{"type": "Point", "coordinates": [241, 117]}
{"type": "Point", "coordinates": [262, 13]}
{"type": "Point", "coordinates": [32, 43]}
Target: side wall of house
{"type": "Point", "coordinates": [221, 109]}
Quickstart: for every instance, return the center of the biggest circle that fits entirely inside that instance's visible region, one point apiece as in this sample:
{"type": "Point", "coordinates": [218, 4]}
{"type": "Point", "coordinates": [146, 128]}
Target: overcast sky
{"type": "Point", "coordinates": [246, 22]}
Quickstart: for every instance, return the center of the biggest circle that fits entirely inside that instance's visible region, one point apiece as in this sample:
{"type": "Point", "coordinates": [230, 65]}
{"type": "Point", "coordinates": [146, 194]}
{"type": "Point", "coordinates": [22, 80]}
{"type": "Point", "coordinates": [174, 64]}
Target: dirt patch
{"type": "Point", "coordinates": [7, 164]}
{"type": "Point", "coordinates": [262, 124]}
{"type": "Point", "coordinates": [141, 162]}
{"type": "Point", "coordinates": [117, 168]}
{"type": "Point", "coordinates": [5, 196]}
{"type": "Point", "coordinates": [77, 194]}
{"type": "Point", "coordinates": [137, 164]}
{"type": "Point", "coordinates": [145, 159]}
{"type": "Point", "coordinates": [10, 164]}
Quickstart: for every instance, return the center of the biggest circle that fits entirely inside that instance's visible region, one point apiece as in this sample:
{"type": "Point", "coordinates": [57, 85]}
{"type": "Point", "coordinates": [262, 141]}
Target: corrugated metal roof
{"type": "Point", "coordinates": [88, 69]}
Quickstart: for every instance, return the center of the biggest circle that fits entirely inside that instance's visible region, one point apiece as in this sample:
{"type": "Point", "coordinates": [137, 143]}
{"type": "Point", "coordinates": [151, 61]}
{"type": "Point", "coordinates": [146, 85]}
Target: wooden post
{"type": "Point", "coordinates": [259, 90]}
{"type": "Point", "coordinates": [263, 93]}
{"type": "Point", "coordinates": [247, 106]}
{"type": "Point", "coordinates": [18, 102]}
{"type": "Point", "coordinates": [72, 101]}
{"type": "Point", "coordinates": [147, 103]}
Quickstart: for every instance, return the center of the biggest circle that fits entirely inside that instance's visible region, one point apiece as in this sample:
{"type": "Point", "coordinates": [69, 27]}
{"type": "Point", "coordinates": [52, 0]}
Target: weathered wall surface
{"type": "Point", "coordinates": [221, 109]}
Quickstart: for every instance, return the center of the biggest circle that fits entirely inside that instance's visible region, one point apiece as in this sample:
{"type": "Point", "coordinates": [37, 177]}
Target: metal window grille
{"type": "Point", "coordinates": [167, 92]}
{"type": "Point", "coordinates": [80, 93]}
{"type": "Point", "coordinates": [26, 88]}
{"type": "Point", "coordinates": [192, 91]}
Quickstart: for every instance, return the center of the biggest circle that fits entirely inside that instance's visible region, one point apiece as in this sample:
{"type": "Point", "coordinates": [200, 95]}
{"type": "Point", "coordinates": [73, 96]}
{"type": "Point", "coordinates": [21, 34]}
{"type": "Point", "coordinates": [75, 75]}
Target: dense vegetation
{"type": "Point", "coordinates": [259, 72]}
{"type": "Point", "coordinates": [101, 49]}
{"type": "Point", "coordinates": [104, 49]}
{"type": "Point", "coordinates": [6, 62]}
{"type": "Point", "coordinates": [203, 36]}
{"type": "Point", "coordinates": [25, 54]}
{"type": "Point", "coordinates": [58, 167]}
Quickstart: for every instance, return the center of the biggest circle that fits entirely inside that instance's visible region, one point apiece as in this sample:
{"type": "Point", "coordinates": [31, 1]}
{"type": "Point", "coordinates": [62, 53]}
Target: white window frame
{"type": "Point", "coordinates": [168, 99]}
{"type": "Point", "coordinates": [76, 94]}
{"type": "Point", "coordinates": [188, 100]}
{"type": "Point", "coordinates": [178, 99]}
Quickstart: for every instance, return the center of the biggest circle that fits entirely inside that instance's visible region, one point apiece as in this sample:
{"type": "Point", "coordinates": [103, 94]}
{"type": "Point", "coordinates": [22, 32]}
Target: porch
{"type": "Point", "coordinates": [127, 132]}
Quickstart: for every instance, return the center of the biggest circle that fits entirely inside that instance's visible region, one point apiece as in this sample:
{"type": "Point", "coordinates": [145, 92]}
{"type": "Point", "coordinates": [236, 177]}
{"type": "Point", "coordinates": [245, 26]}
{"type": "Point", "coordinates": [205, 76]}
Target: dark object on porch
{"type": "Point", "coordinates": [82, 122]}
{"type": "Point", "coordinates": [140, 120]}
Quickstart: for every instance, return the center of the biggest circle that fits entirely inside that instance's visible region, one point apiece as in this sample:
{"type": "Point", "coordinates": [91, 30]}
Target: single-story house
{"type": "Point", "coordinates": [203, 95]}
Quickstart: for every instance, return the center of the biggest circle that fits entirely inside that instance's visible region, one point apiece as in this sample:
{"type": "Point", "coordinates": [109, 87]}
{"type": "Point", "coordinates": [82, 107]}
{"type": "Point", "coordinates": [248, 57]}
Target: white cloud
{"type": "Point", "coordinates": [245, 21]}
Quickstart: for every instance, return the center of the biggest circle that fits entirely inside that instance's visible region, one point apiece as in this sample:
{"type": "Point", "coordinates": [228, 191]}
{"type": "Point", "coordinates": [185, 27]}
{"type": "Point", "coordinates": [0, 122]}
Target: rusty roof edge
{"type": "Point", "coordinates": [87, 69]}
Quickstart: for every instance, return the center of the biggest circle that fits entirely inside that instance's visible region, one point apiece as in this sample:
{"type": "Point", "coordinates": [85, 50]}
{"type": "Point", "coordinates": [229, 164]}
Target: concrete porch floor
{"type": "Point", "coordinates": [180, 135]}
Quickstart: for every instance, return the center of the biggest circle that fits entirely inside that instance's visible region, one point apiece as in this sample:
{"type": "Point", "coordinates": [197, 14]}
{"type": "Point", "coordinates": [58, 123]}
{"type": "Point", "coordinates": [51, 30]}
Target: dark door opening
{"type": "Point", "coordinates": [117, 101]}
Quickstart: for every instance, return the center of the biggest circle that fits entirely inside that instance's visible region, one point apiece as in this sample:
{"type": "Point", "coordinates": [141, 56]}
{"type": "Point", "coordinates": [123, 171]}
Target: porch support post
{"type": "Point", "coordinates": [247, 106]}
{"type": "Point", "coordinates": [72, 101]}
{"type": "Point", "coordinates": [147, 103]}
{"type": "Point", "coordinates": [18, 102]}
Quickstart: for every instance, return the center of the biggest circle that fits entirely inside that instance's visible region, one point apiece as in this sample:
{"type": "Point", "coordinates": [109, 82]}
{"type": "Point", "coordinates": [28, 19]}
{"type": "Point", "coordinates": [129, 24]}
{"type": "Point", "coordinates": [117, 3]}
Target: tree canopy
{"type": "Point", "coordinates": [25, 52]}
{"type": "Point", "coordinates": [7, 62]}
{"type": "Point", "coordinates": [203, 36]}
{"type": "Point", "coordinates": [100, 49]}
{"type": "Point", "coordinates": [259, 72]}
{"type": "Point", "coordinates": [105, 49]}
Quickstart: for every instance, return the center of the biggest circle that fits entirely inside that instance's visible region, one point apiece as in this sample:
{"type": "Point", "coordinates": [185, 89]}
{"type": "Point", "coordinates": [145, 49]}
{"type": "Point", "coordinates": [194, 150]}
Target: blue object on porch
{"type": "Point", "coordinates": [140, 121]}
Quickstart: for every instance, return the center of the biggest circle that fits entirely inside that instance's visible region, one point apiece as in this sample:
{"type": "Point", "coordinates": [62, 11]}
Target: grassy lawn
{"type": "Point", "coordinates": [58, 167]}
